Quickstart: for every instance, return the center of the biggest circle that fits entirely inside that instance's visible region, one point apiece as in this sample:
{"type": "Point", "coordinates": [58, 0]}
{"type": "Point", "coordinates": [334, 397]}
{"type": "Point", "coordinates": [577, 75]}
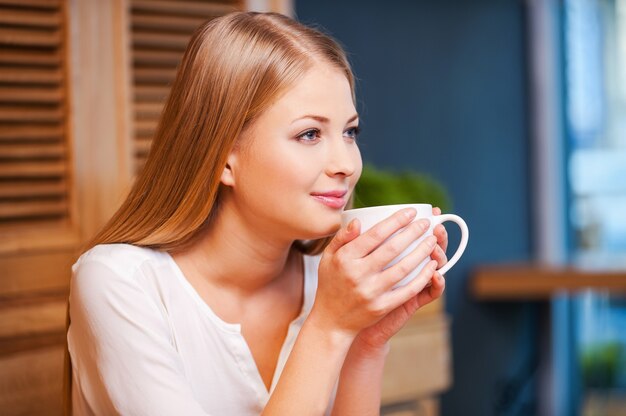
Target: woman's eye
{"type": "Point", "coordinates": [309, 135]}
{"type": "Point", "coordinates": [353, 132]}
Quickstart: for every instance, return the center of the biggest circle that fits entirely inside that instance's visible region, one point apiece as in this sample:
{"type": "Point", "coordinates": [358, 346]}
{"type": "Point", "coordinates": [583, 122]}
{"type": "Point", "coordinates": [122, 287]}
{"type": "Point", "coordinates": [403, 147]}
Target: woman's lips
{"type": "Point", "coordinates": [333, 199]}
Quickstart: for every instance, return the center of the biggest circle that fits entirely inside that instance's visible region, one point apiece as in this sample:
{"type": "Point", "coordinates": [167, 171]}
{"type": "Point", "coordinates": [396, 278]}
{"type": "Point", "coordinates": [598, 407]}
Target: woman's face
{"type": "Point", "coordinates": [298, 162]}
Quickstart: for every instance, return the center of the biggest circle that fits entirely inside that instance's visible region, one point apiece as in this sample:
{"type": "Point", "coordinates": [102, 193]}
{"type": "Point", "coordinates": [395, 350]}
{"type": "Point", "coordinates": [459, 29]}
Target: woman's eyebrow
{"type": "Point", "coordinates": [323, 119]}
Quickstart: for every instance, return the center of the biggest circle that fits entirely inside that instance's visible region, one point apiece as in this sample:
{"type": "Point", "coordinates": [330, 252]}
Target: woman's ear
{"type": "Point", "coordinates": [228, 174]}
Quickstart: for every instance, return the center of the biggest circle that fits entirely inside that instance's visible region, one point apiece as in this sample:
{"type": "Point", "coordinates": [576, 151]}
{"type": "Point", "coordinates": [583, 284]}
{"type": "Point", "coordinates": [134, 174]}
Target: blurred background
{"type": "Point", "coordinates": [517, 108]}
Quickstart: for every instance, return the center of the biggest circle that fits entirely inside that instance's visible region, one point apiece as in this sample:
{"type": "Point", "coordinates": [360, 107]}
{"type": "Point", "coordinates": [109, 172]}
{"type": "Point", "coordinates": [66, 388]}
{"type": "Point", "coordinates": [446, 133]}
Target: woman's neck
{"type": "Point", "coordinates": [231, 255]}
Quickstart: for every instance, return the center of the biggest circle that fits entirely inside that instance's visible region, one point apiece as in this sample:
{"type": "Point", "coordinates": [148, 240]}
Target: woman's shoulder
{"type": "Point", "coordinates": [121, 259]}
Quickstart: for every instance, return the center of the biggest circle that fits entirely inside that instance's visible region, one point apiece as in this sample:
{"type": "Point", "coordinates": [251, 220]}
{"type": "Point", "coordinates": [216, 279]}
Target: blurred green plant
{"type": "Point", "coordinates": [600, 364]}
{"type": "Point", "coordinates": [382, 187]}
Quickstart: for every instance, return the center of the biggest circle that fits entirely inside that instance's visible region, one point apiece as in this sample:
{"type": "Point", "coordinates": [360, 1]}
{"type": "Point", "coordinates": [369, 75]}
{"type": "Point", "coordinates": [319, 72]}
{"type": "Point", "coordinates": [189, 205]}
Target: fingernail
{"type": "Point", "coordinates": [433, 265]}
{"type": "Point", "coordinates": [350, 226]}
{"type": "Point", "coordinates": [410, 212]}
{"type": "Point", "coordinates": [431, 241]}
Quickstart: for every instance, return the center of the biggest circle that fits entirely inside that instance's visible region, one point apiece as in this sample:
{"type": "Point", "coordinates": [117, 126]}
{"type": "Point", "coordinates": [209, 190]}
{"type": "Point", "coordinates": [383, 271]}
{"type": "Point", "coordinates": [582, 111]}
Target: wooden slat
{"type": "Point", "coordinates": [23, 37]}
{"type": "Point", "coordinates": [14, 189]}
{"type": "Point", "coordinates": [30, 18]}
{"type": "Point", "coordinates": [162, 58]}
{"type": "Point", "coordinates": [142, 137]}
{"type": "Point", "coordinates": [151, 93]}
{"type": "Point", "coordinates": [142, 147]}
{"type": "Point", "coordinates": [181, 8]}
{"type": "Point", "coordinates": [140, 161]}
{"type": "Point", "coordinates": [31, 95]}
{"type": "Point", "coordinates": [34, 114]}
{"type": "Point", "coordinates": [27, 316]}
{"type": "Point", "coordinates": [37, 235]}
{"type": "Point", "coordinates": [32, 151]}
{"type": "Point", "coordinates": [41, 297]}
{"type": "Point", "coordinates": [188, 24]}
{"type": "Point", "coordinates": [24, 57]}
{"type": "Point", "coordinates": [39, 271]}
{"type": "Point", "coordinates": [32, 170]}
{"type": "Point", "coordinates": [30, 209]}
{"type": "Point", "coordinates": [52, 132]}
{"type": "Point", "coordinates": [160, 40]}
{"type": "Point", "coordinates": [39, 4]}
{"type": "Point", "coordinates": [19, 345]}
{"type": "Point", "coordinates": [154, 75]}
{"type": "Point", "coordinates": [145, 128]}
{"type": "Point", "coordinates": [30, 76]}
{"type": "Point", "coordinates": [147, 110]}
{"type": "Point", "coordinates": [31, 382]}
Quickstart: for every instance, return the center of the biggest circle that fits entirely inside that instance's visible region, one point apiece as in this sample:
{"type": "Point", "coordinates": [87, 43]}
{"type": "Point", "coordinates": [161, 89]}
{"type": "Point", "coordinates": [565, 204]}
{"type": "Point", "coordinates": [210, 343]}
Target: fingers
{"type": "Point", "coordinates": [394, 246]}
{"type": "Point", "coordinates": [413, 288]}
{"type": "Point", "coordinates": [434, 291]}
{"type": "Point", "coordinates": [400, 270]}
{"type": "Point", "coordinates": [442, 236]}
{"type": "Point", "coordinates": [440, 232]}
{"type": "Point", "coordinates": [376, 235]}
{"type": "Point", "coordinates": [344, 236]}
{"type": "Point", "coordinates": [440, 256]}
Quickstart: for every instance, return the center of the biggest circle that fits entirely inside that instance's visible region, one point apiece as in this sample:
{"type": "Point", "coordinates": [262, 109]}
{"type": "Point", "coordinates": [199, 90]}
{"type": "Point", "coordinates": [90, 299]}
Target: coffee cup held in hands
{"type": "Point", "coordinates": [373, 215]}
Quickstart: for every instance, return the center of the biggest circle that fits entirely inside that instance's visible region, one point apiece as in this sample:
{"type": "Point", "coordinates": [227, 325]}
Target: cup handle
{"type": "Point", "coordinates": [439, 219]}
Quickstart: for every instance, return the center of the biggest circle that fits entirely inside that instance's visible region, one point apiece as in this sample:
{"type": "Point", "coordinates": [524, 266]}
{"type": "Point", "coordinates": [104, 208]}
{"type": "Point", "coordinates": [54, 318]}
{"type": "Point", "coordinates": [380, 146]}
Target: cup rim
{"type": "Point", "coordinates": [398, 207]}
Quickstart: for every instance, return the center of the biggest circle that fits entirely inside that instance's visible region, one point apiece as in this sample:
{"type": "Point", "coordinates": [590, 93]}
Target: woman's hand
{"type": "Point", "coordinates": [376, 336]}
{"type": "Point", "coordinates": [354, 292]}
{"type": "Point", "coordinates": [442, 242]}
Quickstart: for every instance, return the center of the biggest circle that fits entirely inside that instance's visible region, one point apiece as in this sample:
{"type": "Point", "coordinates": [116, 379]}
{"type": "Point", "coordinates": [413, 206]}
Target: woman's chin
{"type": "Point", "coordinates": [325, 231]}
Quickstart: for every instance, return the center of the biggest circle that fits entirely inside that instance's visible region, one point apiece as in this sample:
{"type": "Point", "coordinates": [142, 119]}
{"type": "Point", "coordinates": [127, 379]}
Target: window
{"type": "Point", "coordinates": [595, 109]}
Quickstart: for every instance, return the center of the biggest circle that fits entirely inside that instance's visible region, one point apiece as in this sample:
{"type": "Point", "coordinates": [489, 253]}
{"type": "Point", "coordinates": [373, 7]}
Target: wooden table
{"type": "Point", "coordinates": [528, 281]}
{"type": "Point", "coordinates": [536, 282]}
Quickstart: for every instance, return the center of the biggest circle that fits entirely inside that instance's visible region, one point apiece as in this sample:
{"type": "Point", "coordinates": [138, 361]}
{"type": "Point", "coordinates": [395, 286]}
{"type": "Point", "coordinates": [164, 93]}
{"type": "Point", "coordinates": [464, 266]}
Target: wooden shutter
{"type": "Point", "coordinates": [160, 32]}
{"type": "Point", "coordinates": [37, 215]}
{"type": "Point", "coordinates": [38, 236]}
{"type": "Point", "coordinates": [34, 151]}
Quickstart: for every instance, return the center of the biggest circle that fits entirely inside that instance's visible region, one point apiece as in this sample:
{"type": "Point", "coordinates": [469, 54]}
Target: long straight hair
{"type": "Point", "coordinates": [234, 67]}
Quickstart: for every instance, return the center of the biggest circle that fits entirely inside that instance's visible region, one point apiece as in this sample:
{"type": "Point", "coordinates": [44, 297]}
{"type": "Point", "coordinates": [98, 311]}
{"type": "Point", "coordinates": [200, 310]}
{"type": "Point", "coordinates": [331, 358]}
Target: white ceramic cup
{"type": "Point", "coordinates": [373, 215]}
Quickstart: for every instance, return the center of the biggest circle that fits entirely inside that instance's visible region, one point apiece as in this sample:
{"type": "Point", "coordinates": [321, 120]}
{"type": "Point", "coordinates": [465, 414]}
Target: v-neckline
{"type": "Point", "coordinates": [285, 349]}
{"type": "Point", "coordinates": [235, 328]}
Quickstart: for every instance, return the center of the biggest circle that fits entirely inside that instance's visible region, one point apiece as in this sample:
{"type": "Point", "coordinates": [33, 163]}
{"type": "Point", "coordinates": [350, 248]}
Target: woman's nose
{"type": "Point", "coordinates": [343, 159]}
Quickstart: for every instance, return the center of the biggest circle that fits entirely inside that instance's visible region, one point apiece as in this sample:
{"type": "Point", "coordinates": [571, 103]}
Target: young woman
{"type": "Point", "coordinates": [223, 285]}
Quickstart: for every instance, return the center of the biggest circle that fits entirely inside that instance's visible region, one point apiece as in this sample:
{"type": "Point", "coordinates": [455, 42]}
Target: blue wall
{"type": "Point", "coordinates": [442, 90]}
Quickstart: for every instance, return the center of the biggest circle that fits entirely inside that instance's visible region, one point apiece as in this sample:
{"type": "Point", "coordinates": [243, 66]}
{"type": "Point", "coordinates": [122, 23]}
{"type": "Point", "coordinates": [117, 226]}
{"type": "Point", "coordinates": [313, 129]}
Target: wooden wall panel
{"type": "Point", "coordinates": [30, 382]}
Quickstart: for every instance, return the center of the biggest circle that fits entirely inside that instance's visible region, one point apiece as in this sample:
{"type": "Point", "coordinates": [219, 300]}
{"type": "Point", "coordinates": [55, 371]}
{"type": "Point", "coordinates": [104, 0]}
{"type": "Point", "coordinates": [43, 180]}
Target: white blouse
{"type": "Point", "coordinates": [143, 342]}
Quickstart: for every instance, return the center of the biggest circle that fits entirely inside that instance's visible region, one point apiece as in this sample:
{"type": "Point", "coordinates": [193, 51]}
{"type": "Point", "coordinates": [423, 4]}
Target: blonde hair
{"type": "Point", "coordinates": [234, 67]}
